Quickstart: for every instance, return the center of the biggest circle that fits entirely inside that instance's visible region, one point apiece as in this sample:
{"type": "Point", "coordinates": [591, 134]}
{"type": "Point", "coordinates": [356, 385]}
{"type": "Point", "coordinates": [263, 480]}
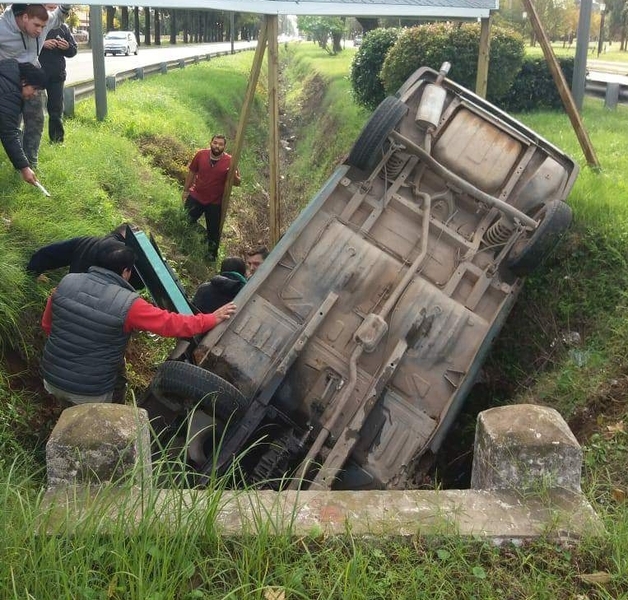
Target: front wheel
{"type": "Point", "coordinates": [530, 249]}
{"type": "Point", "coordinates": [127, 51]}
{"type": "Point", "coordinates": [197, 386]}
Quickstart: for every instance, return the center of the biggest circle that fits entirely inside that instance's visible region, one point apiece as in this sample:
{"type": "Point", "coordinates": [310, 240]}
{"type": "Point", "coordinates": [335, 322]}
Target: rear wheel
{"type": "Point", "coordinates": [531, 249]}
{"type": "Point", "coordinates": [127, 51]}
{"type": "Point", "coordinates": [367, 149]}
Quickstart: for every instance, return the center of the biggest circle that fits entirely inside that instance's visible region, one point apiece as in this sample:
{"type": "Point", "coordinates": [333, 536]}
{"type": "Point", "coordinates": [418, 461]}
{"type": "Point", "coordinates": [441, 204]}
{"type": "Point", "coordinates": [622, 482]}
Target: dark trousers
{"type": "Point", "coordinates": [212, 221]}
{"type": "Point", "coordinates": [55, 110]}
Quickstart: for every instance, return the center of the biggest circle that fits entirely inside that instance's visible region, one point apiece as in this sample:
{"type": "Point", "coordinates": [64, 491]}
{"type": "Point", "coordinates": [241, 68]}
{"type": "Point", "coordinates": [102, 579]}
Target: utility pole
{"type": "Point", "coordinates": [582, 49]}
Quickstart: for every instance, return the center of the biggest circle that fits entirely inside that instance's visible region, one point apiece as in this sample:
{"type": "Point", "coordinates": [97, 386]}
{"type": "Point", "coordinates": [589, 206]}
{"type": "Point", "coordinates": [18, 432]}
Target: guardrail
{"type": "Point", "coordinates": [612, 92]}
{"type": "Point", "coordinates": [74, 92]}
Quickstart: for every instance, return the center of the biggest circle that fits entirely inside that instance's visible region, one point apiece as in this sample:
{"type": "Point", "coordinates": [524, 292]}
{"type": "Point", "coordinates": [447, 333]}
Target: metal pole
{"type": "Point", "coordinates": [582, 48]}
{"type": "Point", "coordinates": [98, 60]}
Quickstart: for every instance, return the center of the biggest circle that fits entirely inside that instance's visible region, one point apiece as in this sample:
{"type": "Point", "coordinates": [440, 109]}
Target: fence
{"type": "Point", "coordinates": [79, 91]}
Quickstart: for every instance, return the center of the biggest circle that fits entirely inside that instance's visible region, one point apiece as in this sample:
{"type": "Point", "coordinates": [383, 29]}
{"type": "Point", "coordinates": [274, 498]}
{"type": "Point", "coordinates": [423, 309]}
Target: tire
{"type": "Point", "coordinates": [136, 51]}
{"type": "Point", "coordinates": [127, 51]}
{"type": "Point", "coordinates": [367, 149]}
{"type": "Point", "coordinates": [202, 387]}
{"type": "Point", "coordinates": [529, 252]}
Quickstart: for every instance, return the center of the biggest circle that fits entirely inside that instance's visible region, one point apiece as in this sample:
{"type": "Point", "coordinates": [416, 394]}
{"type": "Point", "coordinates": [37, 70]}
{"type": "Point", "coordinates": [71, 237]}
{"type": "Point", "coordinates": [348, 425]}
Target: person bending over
{"type": "Point", "coordinates": [89, 318]}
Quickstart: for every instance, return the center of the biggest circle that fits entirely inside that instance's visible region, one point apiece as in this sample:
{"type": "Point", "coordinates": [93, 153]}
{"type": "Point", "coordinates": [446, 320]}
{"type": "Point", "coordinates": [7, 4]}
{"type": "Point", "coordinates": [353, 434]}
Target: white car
{"type": "Point", "coordinates": [120, 42]}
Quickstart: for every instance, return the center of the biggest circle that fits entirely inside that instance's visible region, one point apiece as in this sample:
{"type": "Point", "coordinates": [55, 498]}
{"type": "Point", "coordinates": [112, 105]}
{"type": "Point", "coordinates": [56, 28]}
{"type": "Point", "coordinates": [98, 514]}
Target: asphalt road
{"type": "Point", "coordinates": [81, 67]}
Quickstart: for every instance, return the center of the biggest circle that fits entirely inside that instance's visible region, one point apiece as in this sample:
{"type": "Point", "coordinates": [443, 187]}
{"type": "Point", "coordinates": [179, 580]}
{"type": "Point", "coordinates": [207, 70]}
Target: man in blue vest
{"type": "Point", "coordinates": [89, 319]}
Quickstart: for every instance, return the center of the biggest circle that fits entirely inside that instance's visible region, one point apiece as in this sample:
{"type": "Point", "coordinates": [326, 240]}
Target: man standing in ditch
{"type": "Point", "coordinates": [89, 319]}
{"type": "Point", "coordinates": [204, 188]}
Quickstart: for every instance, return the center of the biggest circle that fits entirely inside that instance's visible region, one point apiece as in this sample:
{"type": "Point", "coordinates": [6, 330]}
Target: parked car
{"type": "Point", "coordinates": [359, 337]}
{"type": "Point", "coordinates": [357, 40]}
{"type": "Point", "coordinates": [120, 42]}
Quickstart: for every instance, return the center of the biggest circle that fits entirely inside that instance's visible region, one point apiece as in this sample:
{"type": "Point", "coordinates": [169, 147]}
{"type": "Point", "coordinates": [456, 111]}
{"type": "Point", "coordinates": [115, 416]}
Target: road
{"type": "Point", "coordinates": [81, 68]}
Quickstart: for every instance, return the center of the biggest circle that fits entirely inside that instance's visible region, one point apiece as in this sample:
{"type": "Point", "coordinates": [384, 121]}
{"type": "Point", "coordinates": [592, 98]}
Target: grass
{"type": "Point", "coordinates": [100, 178]}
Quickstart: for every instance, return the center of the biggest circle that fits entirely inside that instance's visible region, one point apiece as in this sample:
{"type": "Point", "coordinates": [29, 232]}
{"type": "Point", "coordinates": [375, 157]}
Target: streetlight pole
{"type": "Point", "coordinates": [600, 41]}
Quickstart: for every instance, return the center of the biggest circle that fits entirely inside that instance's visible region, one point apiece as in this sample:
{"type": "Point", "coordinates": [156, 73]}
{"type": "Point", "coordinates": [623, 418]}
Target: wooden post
{"type": "Point", "coordinates": [481, 82]}
{"type": "Point", "coordinates": [561, 84]}
{"type": "Point", "coordinates": [244, 117]}
{"type": "Point", "coordinates": [273, 129]}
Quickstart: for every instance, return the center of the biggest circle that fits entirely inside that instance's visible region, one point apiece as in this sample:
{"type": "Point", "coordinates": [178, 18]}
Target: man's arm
{"type": "Point", "coordinates": [143, 316]}
{"type": "Point", "coordinates": [53, 256]}
{"type": "Point", "coordinates": [46, 319]}
{"type": "Point", "coordinates": [189, 180]}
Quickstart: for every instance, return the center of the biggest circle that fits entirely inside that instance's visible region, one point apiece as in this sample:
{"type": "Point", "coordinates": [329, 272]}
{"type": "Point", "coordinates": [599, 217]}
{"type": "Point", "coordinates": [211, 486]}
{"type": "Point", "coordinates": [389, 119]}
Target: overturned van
{"type": "Point", "coordinates": [358, 339]}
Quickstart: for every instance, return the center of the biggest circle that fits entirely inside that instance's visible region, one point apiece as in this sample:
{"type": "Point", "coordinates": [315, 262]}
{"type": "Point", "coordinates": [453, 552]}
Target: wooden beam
{"type": "Point", "coordinates": [481, 82]}
{"type": "Point", "coordinates": [273, 129]}
{"type": "Point", "coordinates": [561, 84]}
{"type": "Point", "coordinates": [249, 96]}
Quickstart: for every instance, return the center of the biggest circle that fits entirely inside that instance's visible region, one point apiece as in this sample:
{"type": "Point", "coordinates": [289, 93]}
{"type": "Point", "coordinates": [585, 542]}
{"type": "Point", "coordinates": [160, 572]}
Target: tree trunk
{"type": "Point", "coordinates": [157, 27]}
{"type": "Point", "coordinates": [124, 19]}
{"type": "Point", "coordinates": [173, 26]}
{"type": "Point", "coordinates": [136, 22]}
{"type": "Point", "coordinates": [111, 13]}
{"type": "Point", "coordinates": [147, 26]}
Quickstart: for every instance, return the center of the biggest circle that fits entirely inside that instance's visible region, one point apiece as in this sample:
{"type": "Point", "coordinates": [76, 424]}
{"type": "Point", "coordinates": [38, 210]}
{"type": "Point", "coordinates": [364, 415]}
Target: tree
{"type": "Point", "coordinates": [320, 29]}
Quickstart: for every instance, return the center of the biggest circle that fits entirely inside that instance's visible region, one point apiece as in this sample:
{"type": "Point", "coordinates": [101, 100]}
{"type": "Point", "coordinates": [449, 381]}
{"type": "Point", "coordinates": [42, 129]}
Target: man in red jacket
{"type": "Point", "coordinates": [204, 187]}
{"type": "Point", "coordinates": [89, 319]}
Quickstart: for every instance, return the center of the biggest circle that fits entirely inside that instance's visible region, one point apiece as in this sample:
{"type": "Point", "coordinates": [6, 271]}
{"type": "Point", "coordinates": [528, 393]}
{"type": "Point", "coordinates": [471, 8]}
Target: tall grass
{"type": "Point", "coordinates": [99, 178]}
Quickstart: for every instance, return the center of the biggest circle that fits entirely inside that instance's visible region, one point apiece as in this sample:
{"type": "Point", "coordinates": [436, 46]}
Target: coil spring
{"type": "Point", "coordinates": [393, 167]}
{"type": "Point", "coordinates": [498, 233]}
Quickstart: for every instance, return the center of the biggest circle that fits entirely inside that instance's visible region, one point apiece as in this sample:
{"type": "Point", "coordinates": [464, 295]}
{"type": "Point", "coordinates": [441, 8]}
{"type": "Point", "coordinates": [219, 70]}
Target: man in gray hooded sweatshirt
{"type": "Point", "coordinates": [23, 30]}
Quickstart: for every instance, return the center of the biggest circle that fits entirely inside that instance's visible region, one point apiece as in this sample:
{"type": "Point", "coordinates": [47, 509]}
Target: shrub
{"type": "Point", "coordinates": [368, 89]}
{"type": "Point", "coordinates": [534, 86]}
{"type": "Point", "coordinates": [431, 45]}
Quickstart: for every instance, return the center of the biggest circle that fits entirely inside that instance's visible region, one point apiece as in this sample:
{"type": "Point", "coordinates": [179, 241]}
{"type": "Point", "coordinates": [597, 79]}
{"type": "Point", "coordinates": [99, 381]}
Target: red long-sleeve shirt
{"type": "Point", "coordinates": [143, 316]}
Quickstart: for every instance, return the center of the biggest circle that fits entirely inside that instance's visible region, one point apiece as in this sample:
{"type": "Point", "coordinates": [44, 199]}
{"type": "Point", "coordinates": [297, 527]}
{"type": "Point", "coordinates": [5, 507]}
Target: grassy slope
{"type": "Point", "coordinates": [99, 179]}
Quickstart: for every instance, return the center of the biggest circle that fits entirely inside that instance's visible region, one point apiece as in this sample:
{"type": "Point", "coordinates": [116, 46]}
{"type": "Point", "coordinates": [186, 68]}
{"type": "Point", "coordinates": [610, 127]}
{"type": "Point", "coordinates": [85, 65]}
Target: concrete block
{"type": "Point", "coordinates": [99, 443]}
{"type": "Point", "coordinates": [612, 95]}
{"type": "Point", "coordinates": [525, 447]}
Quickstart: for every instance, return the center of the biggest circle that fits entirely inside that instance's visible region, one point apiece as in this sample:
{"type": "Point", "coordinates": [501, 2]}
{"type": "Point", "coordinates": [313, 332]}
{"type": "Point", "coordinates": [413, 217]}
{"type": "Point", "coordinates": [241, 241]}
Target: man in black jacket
{"type": "Point", "coordinates": [221, 288]}
{"type": "Point", "coordinates": [18, 82]}
{"type": "Point", "coordinates": [59, 45]}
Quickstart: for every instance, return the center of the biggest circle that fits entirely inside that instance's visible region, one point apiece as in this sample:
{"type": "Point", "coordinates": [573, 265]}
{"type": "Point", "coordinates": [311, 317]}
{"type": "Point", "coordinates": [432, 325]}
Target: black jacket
{"type": "Point", "coordinates": [219, 290]}
{"type": "Point", "coordinates": [11, 111]}
{"type": "Point", "coordinates": [53, 61]}
{"type": "Point", "coordinates": [79, 254]}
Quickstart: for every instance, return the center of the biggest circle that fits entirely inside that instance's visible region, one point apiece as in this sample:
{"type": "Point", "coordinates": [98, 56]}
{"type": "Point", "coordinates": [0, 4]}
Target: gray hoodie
{"type": "Point", "coordinates": [18, 45]}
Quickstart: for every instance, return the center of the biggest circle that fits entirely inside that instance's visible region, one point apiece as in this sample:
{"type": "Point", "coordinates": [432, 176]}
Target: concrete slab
{"type": "Point", "coordinates": [499, 516]}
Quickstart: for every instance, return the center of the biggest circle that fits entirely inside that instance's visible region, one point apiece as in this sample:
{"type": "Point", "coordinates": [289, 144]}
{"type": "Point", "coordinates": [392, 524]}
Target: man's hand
{"type": "Point", "coordinates": [62, 44]}
{"type": "Point", "coordinates": [224, 312]}
{"type": "Point", "coordinates": [28, 175]}
{"type": "Point", "coordinates": [50, 44]}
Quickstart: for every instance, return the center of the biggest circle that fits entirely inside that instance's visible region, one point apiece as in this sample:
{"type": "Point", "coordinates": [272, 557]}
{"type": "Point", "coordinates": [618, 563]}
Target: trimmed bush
{"type": "Point", "coordinates": [431, 45]}
{"type": "Point", "coordinates": [368, 89]}
{"type": "Point", "coordinates": [534, 87]}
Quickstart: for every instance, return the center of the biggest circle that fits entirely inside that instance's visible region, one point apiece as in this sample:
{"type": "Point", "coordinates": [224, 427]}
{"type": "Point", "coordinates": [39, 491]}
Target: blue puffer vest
{"type": "Point", "coordinates": [86, 346]}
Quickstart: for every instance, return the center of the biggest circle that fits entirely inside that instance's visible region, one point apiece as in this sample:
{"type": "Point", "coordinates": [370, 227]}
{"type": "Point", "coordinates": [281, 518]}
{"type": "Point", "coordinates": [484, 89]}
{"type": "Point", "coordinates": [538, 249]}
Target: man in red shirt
{"type": "Point", "coordinates": [204, 187]}
{"type": "Point", "coordinates": [89, 319]}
